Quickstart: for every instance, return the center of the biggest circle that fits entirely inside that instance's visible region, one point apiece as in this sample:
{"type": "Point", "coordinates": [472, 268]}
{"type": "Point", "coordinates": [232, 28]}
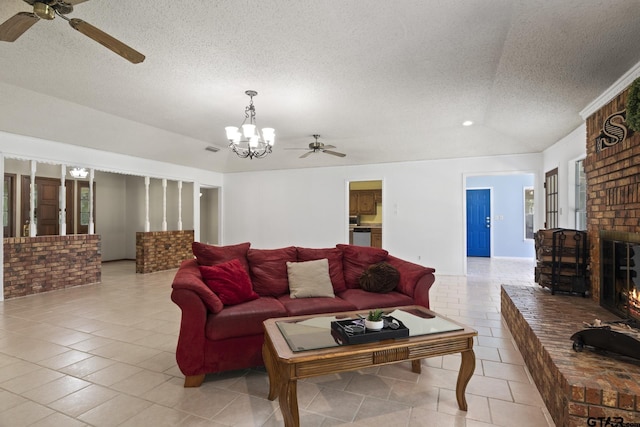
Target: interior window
{"type": "Point", "coordinates": [551, 199]}
{"type": "Point", "coordinates": [528, 212]}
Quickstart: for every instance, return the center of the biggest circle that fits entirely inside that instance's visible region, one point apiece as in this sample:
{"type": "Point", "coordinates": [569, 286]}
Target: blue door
{"type": "Point", "coordinates": [479, 223]}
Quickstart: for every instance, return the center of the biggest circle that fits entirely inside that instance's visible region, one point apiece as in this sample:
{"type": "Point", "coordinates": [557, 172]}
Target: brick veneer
{"type": "Point", "coordinates": [162, 250]}
{"type": "Point", "coordinates": [45, 263]}
{"type": "Point", "coordinates": [613, 185]}
{"type": "Point", "coordinates": [574, 386]}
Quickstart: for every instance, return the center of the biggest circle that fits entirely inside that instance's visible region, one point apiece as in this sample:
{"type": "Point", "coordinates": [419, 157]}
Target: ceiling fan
{"type": "Point", "coordinates": [19, 23]}
{"type": "Point", "coordinates": [316, 146]}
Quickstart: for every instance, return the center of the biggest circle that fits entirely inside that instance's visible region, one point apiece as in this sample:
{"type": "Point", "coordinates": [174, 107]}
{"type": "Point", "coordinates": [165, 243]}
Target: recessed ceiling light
{"type": "Point", "coordinates": [467, 123]}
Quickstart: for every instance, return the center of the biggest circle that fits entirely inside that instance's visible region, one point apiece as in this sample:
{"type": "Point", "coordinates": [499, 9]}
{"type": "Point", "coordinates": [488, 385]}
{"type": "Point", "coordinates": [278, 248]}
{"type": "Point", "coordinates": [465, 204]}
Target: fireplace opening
{"type": "Point", "coordinates": [620, 273]}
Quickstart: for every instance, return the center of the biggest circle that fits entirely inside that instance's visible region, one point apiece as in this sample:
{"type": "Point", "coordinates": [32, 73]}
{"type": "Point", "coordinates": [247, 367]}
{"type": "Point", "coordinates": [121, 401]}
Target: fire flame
{"type": "Point", "coordinates": [634, 300]}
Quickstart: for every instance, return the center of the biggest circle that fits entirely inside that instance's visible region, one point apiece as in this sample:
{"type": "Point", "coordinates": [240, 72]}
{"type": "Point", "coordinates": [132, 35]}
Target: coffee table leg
{"type": "Point", "coordinates": [416, 366]}
{"type": "Point", "coordinates": [289, 403]}
{"type": "Point", "coordinates": [271, 369]}
{"type": "Point", "coordinates": [467, 366]}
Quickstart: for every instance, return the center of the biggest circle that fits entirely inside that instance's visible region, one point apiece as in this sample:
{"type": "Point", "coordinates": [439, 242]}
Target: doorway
{"type": "Point", "coordinates": [209, 217]}
{"type": "Point", "coordinates": [365, 213]}
{"type": "Point", "coordinates": [479, 222]}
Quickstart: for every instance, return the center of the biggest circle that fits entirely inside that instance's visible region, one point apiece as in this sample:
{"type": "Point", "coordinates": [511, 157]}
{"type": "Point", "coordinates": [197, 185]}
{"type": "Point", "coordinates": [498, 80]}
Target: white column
{"type": "Point", "coordinates": [179, 205]}
{"type": "Point", "coordinates": [164, 204]}
{"type": "Point", "coordinates": [32, 201]}
{"type": "Point", "coordinates": [63, 200]}
{"type": "Point", "coordinates": [147, 224]}
{"type": "Point", "coordinates": [92, 227]}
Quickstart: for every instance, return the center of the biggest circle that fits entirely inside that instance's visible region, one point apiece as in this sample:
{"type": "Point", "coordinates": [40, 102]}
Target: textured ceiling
{"type": "Point", "coordinates": [383, 81]}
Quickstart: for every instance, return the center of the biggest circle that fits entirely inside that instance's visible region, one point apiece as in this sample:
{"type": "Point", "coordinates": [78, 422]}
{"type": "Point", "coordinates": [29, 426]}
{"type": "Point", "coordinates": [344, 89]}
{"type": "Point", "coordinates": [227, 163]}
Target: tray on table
{"type": "Point", "coordinates": [342, 335]}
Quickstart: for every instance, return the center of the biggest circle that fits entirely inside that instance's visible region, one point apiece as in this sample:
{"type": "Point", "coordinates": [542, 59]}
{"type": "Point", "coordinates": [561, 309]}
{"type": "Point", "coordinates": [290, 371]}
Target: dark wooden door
{"type": "Point", "coordinates": [47, 204]}
{"type": "Point", "coordinates": [8, 207]}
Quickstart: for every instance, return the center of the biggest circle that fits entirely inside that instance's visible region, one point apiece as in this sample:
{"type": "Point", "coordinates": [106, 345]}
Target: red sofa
{"type": "Point", "coordinates": [215, 337]}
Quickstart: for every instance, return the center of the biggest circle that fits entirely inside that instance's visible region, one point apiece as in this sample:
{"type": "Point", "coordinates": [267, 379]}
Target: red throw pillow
{"type": "Point", "coordinates": [355, 259]}
{"type": "Point", "coordinates": [334, 255]}
{"type": "Point", "coordinates": [212, 255]}
{"type": "Point", "coordinates": [230, 281]}
{"type": "Point", "coordinates": [269, 270]}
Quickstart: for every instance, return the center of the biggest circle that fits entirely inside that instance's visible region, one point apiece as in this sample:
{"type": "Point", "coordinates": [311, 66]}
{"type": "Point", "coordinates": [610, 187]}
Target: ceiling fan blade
{"type": "Point", "coordinates": [107, 41]}
{"type": "Point", "coordinates": [296, 148]}
{"type": "Point", "coordinates": [16, 26]}
{"type": "Point", "coordinates": [334, 153]}
{"type": "Point", "coordinates": [329, 146]}
{"type": "Point", "coordinates": [75, 2]}
{"type": "Point", "coordinates": [307, 154]}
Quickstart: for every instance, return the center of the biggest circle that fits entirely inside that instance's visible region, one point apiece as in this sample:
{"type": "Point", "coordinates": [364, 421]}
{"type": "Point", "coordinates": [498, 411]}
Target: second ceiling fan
{"type": "Point", "coordinates": [317, 146]}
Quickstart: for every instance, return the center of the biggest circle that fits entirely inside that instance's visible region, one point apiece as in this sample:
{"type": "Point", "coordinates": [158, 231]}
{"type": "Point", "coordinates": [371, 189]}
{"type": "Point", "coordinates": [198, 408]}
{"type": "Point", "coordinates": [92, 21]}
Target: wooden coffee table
{"type": "Point", "coordinates": [317, 353]}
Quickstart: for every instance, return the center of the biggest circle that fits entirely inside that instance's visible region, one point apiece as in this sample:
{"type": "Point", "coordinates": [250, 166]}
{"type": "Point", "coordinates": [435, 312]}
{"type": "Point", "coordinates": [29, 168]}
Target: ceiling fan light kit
{"type": "Point", "coordinates": [18, 24]}
{"type": "Point", "coordinates": [249, 142]}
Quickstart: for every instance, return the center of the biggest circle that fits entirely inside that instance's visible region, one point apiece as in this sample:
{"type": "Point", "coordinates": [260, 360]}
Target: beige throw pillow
{"type": "Point", "coordinates": [310, 279]}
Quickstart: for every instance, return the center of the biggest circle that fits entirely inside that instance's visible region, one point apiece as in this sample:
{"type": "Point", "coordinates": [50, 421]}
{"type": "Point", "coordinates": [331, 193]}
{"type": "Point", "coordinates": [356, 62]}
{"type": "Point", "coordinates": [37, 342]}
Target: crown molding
{"type": "Point", "coordinates": [621, 84]}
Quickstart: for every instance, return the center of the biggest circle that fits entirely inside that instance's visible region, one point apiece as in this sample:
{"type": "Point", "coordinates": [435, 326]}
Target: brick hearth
{"type": "Point", "coordinates": [574, 385]}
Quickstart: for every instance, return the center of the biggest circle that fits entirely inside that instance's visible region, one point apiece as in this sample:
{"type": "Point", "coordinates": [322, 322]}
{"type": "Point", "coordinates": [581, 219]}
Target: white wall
{"type": "Point", "coordinates": [563, 155]}
{"type": "Point", "coordinates": [423, 206]}
{"type": "Point", "coordinates": [110, 214]}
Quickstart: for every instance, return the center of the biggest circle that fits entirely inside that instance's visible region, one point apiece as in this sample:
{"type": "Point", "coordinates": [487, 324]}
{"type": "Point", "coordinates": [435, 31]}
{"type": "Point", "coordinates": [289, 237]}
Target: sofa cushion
{"type": "Point", "coordinates": [309, 279]}
{"type": "Point", "coordinates": [381, 277]}
{"type": "Point", "coordinates": [212, 255]}
{"type": "Point", "coordinates": [243, 319]}
{"type": "Point", "coordinates": [302, 306]}
{"type": "Point", "coordinates": [362, 299]}
{"type": "Point", "coordinates": [189, 277]}
{"type": "Point", "coordinates": [334, 255]}
{"type": "Point", "coordinates": [230, 281]}
{"type": "Point", "coordinates": [269, 270]}
{"type": "Point", "coordinates": [355, 259]}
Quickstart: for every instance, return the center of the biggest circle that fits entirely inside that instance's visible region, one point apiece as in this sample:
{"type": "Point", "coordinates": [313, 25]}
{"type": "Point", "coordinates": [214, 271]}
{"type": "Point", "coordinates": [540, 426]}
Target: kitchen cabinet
{"type": "Point", "coordinates": [353, 203]}
{"type": "Point", "coordinates": [376, 238]}
{"type": "Point", "coordinates": [363, 202]}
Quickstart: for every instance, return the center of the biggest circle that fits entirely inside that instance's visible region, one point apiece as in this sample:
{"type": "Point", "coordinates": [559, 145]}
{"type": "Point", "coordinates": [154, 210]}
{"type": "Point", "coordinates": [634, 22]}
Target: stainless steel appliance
{"type": "Point", "coordinates": [354, 219]}
{"type": "Point", "coordinates": [362, 236]}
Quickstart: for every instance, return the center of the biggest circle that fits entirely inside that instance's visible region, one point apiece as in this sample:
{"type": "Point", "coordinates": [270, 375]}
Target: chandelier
{"type": "Point", "coordinates": [79, 173]}
{"type": "Point", "coordinates": [249, 142]}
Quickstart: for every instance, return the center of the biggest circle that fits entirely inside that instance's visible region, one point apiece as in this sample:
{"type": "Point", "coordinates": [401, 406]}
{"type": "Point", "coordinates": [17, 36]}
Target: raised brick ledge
{"type": "Point", "coordinates": [574, 386]}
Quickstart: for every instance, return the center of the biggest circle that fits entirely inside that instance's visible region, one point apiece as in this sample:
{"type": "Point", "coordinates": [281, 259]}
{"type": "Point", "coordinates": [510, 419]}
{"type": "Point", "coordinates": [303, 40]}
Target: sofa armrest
{"type": "Point", "coordinates": [188, 277]}
{"type": "Point", "coordinates": [413, 278]}
{"type": "Point", "coordinates": [421, 290]}
{"type": "Point", "coordinates": [191, 339]}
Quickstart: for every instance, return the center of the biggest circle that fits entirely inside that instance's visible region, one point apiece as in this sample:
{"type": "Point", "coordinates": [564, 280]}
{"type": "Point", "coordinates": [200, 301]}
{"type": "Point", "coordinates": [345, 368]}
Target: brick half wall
{"type": "Point", "coordinates": [162, 250]}
{"type": "Point", "coordinates": [45, 263]}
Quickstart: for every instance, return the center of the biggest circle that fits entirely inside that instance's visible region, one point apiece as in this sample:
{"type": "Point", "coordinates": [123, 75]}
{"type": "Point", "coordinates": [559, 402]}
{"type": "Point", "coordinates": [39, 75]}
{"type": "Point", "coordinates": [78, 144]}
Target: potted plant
{"type": "Point", "coordinates": [374, 321]}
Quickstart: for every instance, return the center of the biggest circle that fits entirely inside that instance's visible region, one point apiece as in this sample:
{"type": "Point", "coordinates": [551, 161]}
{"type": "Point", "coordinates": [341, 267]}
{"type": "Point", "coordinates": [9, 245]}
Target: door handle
{"type": "Point", "coordinates": [488, 222]}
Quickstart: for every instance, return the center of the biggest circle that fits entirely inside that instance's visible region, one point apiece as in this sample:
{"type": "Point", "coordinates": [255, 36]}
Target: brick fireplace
{"type": "Point", "coordinates": [589, 388]}
{"type": "Point", "coordinates": [613, 188]}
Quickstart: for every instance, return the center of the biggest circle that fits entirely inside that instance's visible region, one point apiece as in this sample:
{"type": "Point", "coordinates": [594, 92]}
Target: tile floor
{"type": "Point", "coordinates": [103, 355]}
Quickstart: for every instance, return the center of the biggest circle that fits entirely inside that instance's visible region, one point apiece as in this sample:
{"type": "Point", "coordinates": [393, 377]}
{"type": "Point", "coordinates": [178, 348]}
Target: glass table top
{"type": "Point", "coordinates": [315, 333]}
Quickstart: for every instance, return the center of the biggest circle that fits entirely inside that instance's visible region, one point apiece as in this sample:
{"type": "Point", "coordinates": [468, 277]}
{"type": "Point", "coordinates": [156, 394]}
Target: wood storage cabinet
{"type": "Point", "coordinates": [562, 260]}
